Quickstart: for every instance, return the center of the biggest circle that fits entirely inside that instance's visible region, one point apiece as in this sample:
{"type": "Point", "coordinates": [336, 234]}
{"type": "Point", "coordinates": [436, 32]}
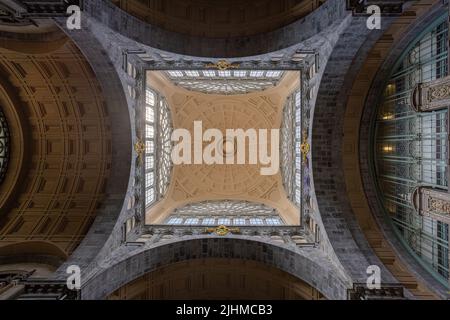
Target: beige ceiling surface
{"type": "Point", "coordinates": [199, 182]}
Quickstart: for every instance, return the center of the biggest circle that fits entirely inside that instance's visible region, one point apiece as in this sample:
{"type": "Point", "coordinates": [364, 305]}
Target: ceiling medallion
{"type": "Point", "coordinates": [139, 147]}
{"type": "Point", "coordinates": [222, 230]}
{"type": "Point", "coordinates": [222, 65]}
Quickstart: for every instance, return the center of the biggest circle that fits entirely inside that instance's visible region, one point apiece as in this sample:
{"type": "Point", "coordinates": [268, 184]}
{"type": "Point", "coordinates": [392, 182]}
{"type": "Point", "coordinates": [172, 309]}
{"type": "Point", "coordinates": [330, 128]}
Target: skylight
{"type": "Point", "coordinates": [225, 81]}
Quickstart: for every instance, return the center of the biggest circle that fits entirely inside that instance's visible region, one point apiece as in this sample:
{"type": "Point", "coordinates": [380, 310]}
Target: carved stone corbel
{"type": "Point", "coordinates": [432, 203]}
{"type": "Point", "coordinates": [433, 95]}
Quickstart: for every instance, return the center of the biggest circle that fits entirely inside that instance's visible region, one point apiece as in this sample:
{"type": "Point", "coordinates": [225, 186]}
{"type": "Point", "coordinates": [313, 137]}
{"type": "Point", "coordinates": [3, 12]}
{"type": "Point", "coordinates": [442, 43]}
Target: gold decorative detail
{"type": "Point", "coordinates": [139, 147]}
{"type": "Point", "coordinates": [222, 65]}
{"type": "Point", "coordinates": [305, 147]}
{"type": "Point", "coordinates": [222, 230]}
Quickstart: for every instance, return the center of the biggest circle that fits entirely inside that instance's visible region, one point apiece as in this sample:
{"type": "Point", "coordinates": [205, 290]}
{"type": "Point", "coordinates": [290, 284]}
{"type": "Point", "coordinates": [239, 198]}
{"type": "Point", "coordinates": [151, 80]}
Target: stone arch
{"type": "Point", "coordinates": [306, 265]}
{"type": "Point", "coordinates": [217, 279]}
{"type": "Point", "coordinates": [240, 46]}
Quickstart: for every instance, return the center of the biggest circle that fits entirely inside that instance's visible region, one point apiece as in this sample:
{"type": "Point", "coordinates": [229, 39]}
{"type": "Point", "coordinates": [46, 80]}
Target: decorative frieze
{"type": "Point", "coordinates": [432, 203]}
{"type": "Point", "coordinates": [432, 95]}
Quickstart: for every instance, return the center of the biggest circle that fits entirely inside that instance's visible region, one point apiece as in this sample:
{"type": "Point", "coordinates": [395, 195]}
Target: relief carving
{"type": "Point", "coordinates": [432, 203]}
{"type": "Point", "coordinates": [439, 205]}
{"type": "Point", "coordinates": [432, 95]}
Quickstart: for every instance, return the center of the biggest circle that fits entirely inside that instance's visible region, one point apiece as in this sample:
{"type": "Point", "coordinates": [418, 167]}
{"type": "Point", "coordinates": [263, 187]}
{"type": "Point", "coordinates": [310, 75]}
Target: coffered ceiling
{"type": "Point", "coordinates": [61, 149]}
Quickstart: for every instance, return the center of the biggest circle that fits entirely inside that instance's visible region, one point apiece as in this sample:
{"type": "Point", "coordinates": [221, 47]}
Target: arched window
{"type": "Point", "coordinates": [158, 146]}
{"type": "Point", "coordinates": [411, 149]}
{"type": "Point", "coordinates": [291, 158]}
{"type": "Point", "coordinates": [4, 146]}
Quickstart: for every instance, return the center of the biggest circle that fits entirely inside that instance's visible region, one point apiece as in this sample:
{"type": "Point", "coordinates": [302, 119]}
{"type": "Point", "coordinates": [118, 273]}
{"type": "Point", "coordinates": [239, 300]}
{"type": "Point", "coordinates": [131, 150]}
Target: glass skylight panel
{"type": "Point", "coordinates": [273, 74]}
{"type": "Point", "coordinates": [149, 146]}
{"type": "Point", "coordinates": [149, 179]}
{"type": "Point", "coordinates": [297, 196]}
{"type": "Point", "coordinates": [298, 115]}
{"type": "Point", "coordinates": [223, 221]}
{"type": "Point", "coordinates": [256, 73]}
{"type": "Point", "coordinates": [156, 181]}
{"type": "Point", "coordinates": [191, 221]}
{"type": "Point", "coordinates": [239, 221]}
{"type": "Point", "coordinates": [175, 220]}
{"type": "Point", "coordinates": [226, 81]}
{"type": "Point", "coordinates": [273, 221]}
{"type": "Point", "coordinates": [297, 99]}
{"type": "Point", "coordinates": [224, 73]}
{"type": "Point", "coordinates": [192, 73]}
{"type": "Point", "coordinates": [297, 163]}
{"type": "Point", "coordinates": [298, 132]}
{"type": "Point", "coordinates": [149, 98]}
{"type": "Point", "coordinates": [175, 73]}
{"type": "Point", "coordinates": [149, 131]}
{"type": "Point", "coordinates": [149, 196]}
{"type": "Point", "coordinates": [227, 212]}
{"type": "Point", "coordinates": [149, 162]}
{"type": "Point", "coordinates": [240, 73]}
{"type": "Point", "coordinates": [209, 73]}
{"type": "Point", "coordinates": [149, 114]}
{"type": "Point", "coordinates": [208, 221]}
{"type": "Point", "coordinates": [256, 221]}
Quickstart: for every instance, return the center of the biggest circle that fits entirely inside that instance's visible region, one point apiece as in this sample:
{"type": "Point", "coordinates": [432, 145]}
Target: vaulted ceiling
{"type": "Point", "coordinates": [193, 182]}
{"type": "Point", "coordinates": [219, 18]}
{"type": "Point", "coordinates": [60, 148]}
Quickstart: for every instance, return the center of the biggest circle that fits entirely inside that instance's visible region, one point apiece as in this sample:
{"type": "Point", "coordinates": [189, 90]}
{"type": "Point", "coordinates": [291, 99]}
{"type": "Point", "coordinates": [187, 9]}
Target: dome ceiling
{"type": "Point", "coordinates": [219, 18]}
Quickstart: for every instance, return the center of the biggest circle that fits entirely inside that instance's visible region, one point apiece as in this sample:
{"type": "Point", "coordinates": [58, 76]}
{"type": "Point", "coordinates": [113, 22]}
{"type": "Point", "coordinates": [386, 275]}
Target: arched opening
{"type": "Point", "coordinates": [411, 150]}
{"type": "Point", "coordinates": [217, 279]}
